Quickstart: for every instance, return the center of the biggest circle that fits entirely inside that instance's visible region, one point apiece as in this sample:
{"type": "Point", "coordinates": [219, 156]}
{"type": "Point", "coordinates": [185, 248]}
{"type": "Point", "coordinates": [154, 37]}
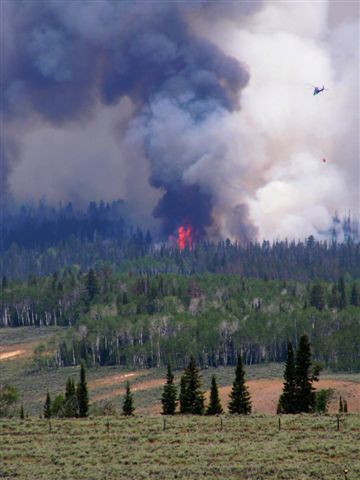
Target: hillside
{"type": "Point", "coordinates": [107, 383]}
{"type": "Point", "coordinates": [143, 321]}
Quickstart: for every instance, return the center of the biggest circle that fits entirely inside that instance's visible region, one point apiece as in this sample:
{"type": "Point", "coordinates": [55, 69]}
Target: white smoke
{"type": "Point", "coordinates": [276, 144]}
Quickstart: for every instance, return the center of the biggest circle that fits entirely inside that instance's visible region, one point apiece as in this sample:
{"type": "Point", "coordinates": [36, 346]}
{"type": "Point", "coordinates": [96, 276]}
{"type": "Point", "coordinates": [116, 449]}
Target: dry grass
{"type": "Point", "coordinates": [190, 448]}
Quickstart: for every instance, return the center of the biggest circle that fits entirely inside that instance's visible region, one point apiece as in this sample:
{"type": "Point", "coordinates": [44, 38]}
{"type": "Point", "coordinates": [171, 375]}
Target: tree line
{"type": "Point", "coordinates": [136, 251]}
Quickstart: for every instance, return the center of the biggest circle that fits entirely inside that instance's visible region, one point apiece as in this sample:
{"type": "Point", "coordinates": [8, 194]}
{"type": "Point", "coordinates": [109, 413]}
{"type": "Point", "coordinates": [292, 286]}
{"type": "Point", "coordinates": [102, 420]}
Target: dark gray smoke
{"type": "Point", "coordinates": [61, 58]}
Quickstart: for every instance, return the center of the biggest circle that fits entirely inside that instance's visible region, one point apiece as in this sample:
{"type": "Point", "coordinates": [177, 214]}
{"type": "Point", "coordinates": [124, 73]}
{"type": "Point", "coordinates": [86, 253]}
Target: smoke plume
{"type": "Point", "coordinates": [194, 112]}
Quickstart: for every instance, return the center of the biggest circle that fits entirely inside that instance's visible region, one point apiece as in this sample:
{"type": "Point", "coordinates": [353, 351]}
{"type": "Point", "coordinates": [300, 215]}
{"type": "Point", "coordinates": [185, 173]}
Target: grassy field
{"type": "Point", "coordinates": [138, 448]}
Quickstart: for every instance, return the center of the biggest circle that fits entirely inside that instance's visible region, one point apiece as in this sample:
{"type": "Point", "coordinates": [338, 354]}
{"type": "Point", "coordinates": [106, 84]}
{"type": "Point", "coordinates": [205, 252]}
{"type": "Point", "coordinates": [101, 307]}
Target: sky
{"type": "Point", "coordinates": [190, 111]}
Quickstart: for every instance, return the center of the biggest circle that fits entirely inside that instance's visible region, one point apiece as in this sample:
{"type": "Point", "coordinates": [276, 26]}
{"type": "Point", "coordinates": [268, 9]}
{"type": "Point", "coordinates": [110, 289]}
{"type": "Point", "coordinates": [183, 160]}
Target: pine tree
{"type": "Point", "coordinates": [191, 396]}
{"type": "Point", "coordinates": [355, 296]}
{"type": "Point", "coordinates": [240, 401]}
{"type": "Point", "coordinates": [128, 405]}
{"type": "Point", "coordinates": [342, 293]}
{"type": "Point", "coordinates": [69, 389]}
{"type": "Point", "coordinates": [334, 297]}
{"type": "Point", "coordinates": [214, 407]}
{"type": "Point", "coordinates": [183, 395]}
{"type": "Point", "coordinates": [58, 405]}
{"type": "Point", "coordinates": [70, 408]}
{"type": "Point", "coordinates": [169, 395]}
{"type": "Point", "coordinates": [92, 286]}
{"type": "Point", "coordinates": [47, 406]}
{"type": "Point", "coordinates": [305, 395]}
{"type": "Point", "coordinates": [287, 401]}
{"type": "Point", "coordinates": [341, 406]}
{"type": "Point", "coordinates": [82, 393]}
{"type": "Point", "coordinates": [317, 296]}
{"type": "Point", "coordinates": [125, 300]}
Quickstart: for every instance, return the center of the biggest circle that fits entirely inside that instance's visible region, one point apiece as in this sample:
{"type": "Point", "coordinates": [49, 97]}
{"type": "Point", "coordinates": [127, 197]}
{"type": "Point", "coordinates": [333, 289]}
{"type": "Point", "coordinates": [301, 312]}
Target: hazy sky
{"type": "Point", "coordinates": [179, 100]}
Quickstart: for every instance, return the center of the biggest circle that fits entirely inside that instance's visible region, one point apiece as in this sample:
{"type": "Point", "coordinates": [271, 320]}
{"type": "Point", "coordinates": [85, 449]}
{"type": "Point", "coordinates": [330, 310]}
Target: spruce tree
{"type": "Point", "coordinates": [125, 300]}
{"type": "Point", "coordinates": [305, 394]}
{"type": "Point", "coordinates": [317, 296]}
{"type": "Point", "coordinates": [355, 296]}
{"type": "Point", "coordinates": [69, 389]}
{"type": "Point", "coordinates": [240, 401]}
{"type": "Point", "coordinates": [92, 286]}
{"type": "Point", "coordinates": [287, 401]}
{"type": "Point", "coordinates": [169, 395]}
{"type": "Point", "coordinates": [47, 406]}
{"type": "Point", "coordinates": [128, 405]}
{"type": "Point", "coordinates": [342, 293]}
{"type": "Point", "coordinates": [341, 406]}
{"type": "Point", "coordinates": [58, 406]}
{"type": "Point", "coordinates": [334, 297]}
{"type": "Point", "coordinates": [191, 396]}
{"type": "Point", "coordinates": [214, 407]}
{"type": "Point", "coordinates": [70, 408]}
{"type": "Point", "coordinates": [82, 393]}
{"type": "Point", "coordinates": [183, 395]}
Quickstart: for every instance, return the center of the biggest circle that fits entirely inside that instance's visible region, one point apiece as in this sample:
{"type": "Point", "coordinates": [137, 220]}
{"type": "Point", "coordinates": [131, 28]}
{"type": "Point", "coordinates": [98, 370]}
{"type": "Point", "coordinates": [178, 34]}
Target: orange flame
{"type": "Point", "coordinates": [184, 238]}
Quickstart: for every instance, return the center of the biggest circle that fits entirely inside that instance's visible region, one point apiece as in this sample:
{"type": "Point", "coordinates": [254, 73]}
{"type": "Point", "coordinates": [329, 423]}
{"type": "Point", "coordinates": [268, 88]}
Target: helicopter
{"type": "Point", "coordinates": [317, 90]}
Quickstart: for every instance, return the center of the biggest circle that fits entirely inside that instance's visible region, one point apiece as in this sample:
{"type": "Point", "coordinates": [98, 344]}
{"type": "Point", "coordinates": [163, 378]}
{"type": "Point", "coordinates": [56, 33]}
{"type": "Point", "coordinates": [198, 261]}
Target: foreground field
{"type": "Point", "coordinates": [190, 448]}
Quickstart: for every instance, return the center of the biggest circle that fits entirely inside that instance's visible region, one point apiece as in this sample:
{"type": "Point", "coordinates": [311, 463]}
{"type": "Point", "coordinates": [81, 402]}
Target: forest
{"type": "Point", "coordinates": [143, 320]}
{"type": "Point", "coordinates": [125, 299]}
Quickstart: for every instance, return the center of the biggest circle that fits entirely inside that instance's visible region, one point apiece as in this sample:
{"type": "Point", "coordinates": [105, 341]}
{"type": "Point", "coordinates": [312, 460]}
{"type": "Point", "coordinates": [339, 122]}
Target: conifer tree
{"type": "Point", "coordinates": [183, 395]}
{"type": "Point", "coordinates": [305, 394]}
{"type": "Point", "coordinates": [70, 388]}
{"type": "Point", "coordinates": [334, 298]}
{"type": "Point", "coordinates": [169, 395]}
{"type": "Point", "coordinates": [128, 405]}
{"type": "Point", "coordinates": [47, 406]}
{"type": "Point", "coordinates": [82, 393]}
{"type": "Point", "coordinates": [70, 408]}
{"type": "Point", "coordinates": [22, 414]}
{"type": "Point", "coordinates": [355, 296]}
{"type": "Point", "coordinates": [345, 406]}
{"type": "Point", "coordinates": [191, 396]}
{"type": "Point", "coordinates": [58, 405]}
{"type": "Point", "coordinates": [341, 406]}
{"type": "Point", "coordinates": [287, 401]}
{"type": "Point", "coordinates": [214, 407]}
{"type": "Point", "coordinates": [240, 401]}
{"type": "Point", "coordinates": [317, 296]}
{"type": "Point", "coordinates": [342, 293]}
{"type": "Point", "coordinates": [125, 300]}
{"type": "Point", "coordinates": [92, 286]}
